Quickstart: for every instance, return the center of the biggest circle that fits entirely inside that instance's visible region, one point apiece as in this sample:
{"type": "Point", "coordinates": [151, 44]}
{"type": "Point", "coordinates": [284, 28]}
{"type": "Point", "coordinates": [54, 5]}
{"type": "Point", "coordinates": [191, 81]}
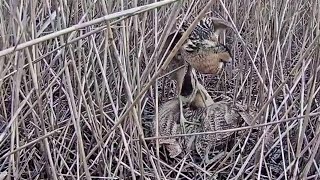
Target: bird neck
{"type": "Point", "coordinates": [202, 98]}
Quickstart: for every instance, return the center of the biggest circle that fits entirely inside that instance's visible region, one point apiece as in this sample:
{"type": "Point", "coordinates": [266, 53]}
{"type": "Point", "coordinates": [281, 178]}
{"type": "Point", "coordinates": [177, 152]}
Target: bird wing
{"type": "Point", "coordinates": [168, 117]}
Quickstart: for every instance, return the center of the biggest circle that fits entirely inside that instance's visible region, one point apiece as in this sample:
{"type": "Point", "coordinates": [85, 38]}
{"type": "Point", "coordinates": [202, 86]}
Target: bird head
{"type": "Point", "coordinates": [203, 41]}
{"type": "Point", "coordinates": [207, 29]}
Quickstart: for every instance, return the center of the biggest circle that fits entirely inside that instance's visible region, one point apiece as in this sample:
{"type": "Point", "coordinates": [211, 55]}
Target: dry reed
{"type": "Point", "coordinates": [79, 85]}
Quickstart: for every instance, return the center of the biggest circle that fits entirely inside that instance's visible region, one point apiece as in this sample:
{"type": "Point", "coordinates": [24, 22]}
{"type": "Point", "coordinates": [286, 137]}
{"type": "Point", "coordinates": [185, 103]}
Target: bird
{"type": "Point", "coordinates": [200, 114]}
{"type": "Point", "coordinates": [220, 115]}
{"type": "Point", "coordinates": [177, 66]}
{"type": "Point", "coordinates": [169, 124]}
{"type": "Point", "coordinates": [171, 119]}
{"type": "Point", "coordinates": [202, 50]}
{"type": "Point", "coordinates": [168, 117]}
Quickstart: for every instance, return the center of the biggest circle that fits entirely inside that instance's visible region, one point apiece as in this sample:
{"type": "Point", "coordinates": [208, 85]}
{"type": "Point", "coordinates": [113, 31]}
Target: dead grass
{"type": "Point", "coordinates": [79, 87]}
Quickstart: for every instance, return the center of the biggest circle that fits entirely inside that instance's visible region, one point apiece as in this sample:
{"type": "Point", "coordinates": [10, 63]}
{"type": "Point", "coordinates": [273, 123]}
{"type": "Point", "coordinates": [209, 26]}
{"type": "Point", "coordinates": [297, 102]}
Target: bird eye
{"type": "Point", "coordinates": [189, 48]}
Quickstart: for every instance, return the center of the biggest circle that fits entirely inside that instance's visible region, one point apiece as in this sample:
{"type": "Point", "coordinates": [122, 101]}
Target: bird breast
{"type": "Point", "coordinates": [204, 60]}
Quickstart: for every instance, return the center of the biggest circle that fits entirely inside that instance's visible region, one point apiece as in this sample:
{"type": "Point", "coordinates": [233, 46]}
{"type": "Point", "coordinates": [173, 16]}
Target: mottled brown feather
{"type": "Point", "coordinates": [214, 116]}
{"type": "Point", "coordinates": [168, 117]}
{"type": "Point", "coordinates": [209, 60]}
{"type": "Point", "coordinates": [202, 50]}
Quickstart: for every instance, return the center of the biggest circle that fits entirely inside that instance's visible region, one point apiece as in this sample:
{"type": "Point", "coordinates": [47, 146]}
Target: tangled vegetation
{"type": "Point", "coordinates": [81, 81]}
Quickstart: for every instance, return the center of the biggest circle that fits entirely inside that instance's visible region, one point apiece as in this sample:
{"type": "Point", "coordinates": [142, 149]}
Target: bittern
{"type": "Point", "coordinates": [168, 125]}
{"type": "Point", "coordinates": [217, 116]}
{"type": "Point", "coordinates": [203, 114]}
{"type": "Point", "coordinates": [177, 66]}
{"type": "Point", "coordinates": [171, 119]}
{"type": "Point", "coordinates": [202, 50]}
{"type": "Point", "coordinates": [214, 116]}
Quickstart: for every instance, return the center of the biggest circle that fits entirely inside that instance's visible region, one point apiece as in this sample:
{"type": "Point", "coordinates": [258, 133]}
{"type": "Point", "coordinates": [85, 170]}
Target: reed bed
{"type": "Point", "coordinates": [80, 84]}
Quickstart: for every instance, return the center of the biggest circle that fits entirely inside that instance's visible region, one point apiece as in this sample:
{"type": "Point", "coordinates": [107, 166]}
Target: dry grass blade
{"type": "Point", "coordinates": [81, 82]}
{"type": "Point", "coordinates": [130, 12]}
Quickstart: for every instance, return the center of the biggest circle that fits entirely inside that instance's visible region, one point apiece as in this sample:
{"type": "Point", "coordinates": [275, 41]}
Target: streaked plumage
{"type": "Point", "coordinates": [170, 117]}
{"type": "Point", "coordinates": [168, 125]}
{"type": "Point", "coordinates": [214, 116]}
{"type": "Point", "coordinates": [209, 115]}
{"type": "Point", "coordinates": [202, 50]}
{"type": "Point", "coordinates": [218, 116]}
